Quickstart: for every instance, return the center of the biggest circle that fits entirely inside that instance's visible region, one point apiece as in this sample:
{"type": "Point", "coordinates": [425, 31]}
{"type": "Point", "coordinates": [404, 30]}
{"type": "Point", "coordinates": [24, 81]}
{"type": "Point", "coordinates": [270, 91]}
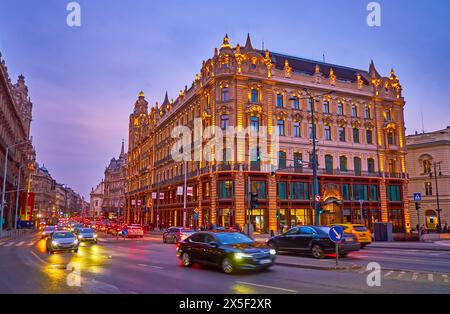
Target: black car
{"type": "Point", "coordinates": [312, 239]}
{"type": "Point", "coordinates": [230, 251]}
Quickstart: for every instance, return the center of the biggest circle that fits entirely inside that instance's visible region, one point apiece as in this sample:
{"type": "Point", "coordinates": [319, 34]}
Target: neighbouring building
{"type": "Point", "coordinates": [360, 137]}
{"type": "Point", "coordinates": [15, 121]}
{"type": "Point", "coordinates": [44, 188]}
{"type": "Point", "coordinates": [428, 152]}
{"type": "Point", "coordinates": [96, 200]}
{"type": "Point", "coordinates": [114, 186]}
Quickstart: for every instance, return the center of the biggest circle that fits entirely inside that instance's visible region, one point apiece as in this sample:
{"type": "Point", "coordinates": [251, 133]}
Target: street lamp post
{"type": "Point", "coordinates": [5, 173]}
{"type": "Point", "coordinates": [361, 202]}
{"type": "Point", "coordinates": [435, 166]}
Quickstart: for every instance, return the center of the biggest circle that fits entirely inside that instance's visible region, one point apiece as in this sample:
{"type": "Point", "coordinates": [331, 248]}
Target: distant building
{"type": "Point", "coordinates": [96, 200]}
{"type": "Point", "coordinates": [425, 151]}
{"type": "Point", "coordinates": [44, 190]}
{"type": "Point", "coordinates": [114, 186]}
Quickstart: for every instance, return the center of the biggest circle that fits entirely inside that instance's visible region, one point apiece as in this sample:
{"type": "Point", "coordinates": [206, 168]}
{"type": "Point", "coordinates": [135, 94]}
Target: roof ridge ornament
{"type": "Point", "coordinates": [226, 43]}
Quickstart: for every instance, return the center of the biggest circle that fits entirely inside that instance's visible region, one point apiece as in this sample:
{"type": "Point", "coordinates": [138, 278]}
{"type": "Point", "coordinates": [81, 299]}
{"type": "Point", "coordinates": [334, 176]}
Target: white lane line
{"type": "Point", "coordinates": [388, 273]}
{"type": "Point", "coordinates": [32, 243]}
{"type": "Point", "coordinates": [9, 244]}
{"type": "Point", "coordinates": [20, 243]}
{"type": "Point", "coordinates": [445, 277]}
{"type": "Point", "coordinates": [1, 243]}
{"type": "Point", "coordinates": [430, 277]}
{"type": "Point", "coordinates": [39, 259]}
{"type": "Point", "coordinates": [264, 286]}
{"type": "Point", "coordinates": [151, 266]}
{"type": "Point", "coordinates": [415, 276]}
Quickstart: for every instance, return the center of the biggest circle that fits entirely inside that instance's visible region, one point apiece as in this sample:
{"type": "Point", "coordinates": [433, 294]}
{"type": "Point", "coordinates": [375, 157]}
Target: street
{"type": "Point", "coordinates": [149, 266]}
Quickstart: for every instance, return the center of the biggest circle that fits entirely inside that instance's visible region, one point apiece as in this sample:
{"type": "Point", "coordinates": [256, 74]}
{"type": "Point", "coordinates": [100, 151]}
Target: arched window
{"type": "Point", "coordinates": [391, 137]}
{"type": "Point", "coordinates": [426, 166]}
{"type": "Point", "coordinates": [354, 111]}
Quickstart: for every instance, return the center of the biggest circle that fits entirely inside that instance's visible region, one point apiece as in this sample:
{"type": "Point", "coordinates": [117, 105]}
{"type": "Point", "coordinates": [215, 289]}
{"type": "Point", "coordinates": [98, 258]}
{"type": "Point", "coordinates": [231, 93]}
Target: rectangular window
{"type": "Point", "coordinates": [388, 115]}
{"type": "Point", "coordinates": [342, 134]}
{"type": "Point", "coordinates": [428, 189]}
{"type": "Point", "coordinates": [371, 165]}
{"type": "Point", "coordinates": [224, 121]}
{"type": "Point", "coordinates": [279, 100]}
{"type": "Point", "coordinates": [225, 189]}
{"type": "Point", "coordinates": [254, 123]}
{"type": "Point", "coordinates": [254, 96]}
{"type": "Point", "coordinates": [282, 160]}
{"type": "Point", "coordinates": [340, 108]}
{"type": "Point", "coordinates": [369, 136]}
{"type": "Point", "coordinates": [312, 131]}
{"type": "Point", "coordinates": [280, 124]}
{"type": "Point", "coordinates": [297, 129]}
{"type": "Point", "coordinates": [367, 113]}
{"type": "Point", "coordinates": [225, 94]}
{"type": "Point", "coordinates": [259, 187]}
{"type": "Point", "coordinates": [394, 193]}
{"type": "Point", "coordinates": [356, 135]}
{"type": "Point", "coordinates": [310, 104]}
{"type": "Point", "coordinates": [357, 165]}
{"type": "Point", "coordinates": [346, 192]}
{"type": "Point", "coordinates": [295, 103]}
{"type": "Point", "coordinates": [374, 193]}
{"type": "Point", "coordinates": [326, 107]}
{"type": "Point", "coordinates": [298, 160]}
{"type": "Point", "coordinates": [360, 192]}
{"type": "Point", "coordinates": [343, 163]}
{"type": "Point", "coordinates": [327, 132]}
{"type": "Point", "coordinates": [354, 112]}
{"type": "Point", "coordinates": [390, 136]}
{"type": "Point", "coordinates": [299, 191]}
{"type": "Point", "coordinates": [282, 190]}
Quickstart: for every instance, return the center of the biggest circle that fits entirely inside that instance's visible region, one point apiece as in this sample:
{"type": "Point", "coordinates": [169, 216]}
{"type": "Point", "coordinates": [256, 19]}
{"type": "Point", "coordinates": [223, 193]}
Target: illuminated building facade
{"type": "Point", "coordinates": [360, 137]}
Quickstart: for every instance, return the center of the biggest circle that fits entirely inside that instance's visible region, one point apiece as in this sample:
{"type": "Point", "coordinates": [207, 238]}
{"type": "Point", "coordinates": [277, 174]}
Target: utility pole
{"type": "Point", "coordinates": [435, 165]}
{"type": "Point", "coordinates": [314, 162]}
{"type": "Point", "coordinates": [185, 192]}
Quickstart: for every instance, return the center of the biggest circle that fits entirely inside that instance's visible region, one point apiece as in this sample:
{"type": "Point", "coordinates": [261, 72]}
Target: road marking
{"type": "Point", "coordinates": [264, 286]}
{"type": "Point", "coordinates": [445, 277]}
{"type": "Point", "coordinates": [1, 243]}
{"type": "Point", "coordinates": [151, 266]}
{"type": "Point", "coordinates": [415, 276]}
{"type": "Point", "coordinates": [20, 243]}
{"type": "Point", "coordinates": [9, 244]}
{"type": "Point", "coordinates": [388, 273]}
{"type": "Point", "coordinates": [400, 276]}
{"type": "Point", "coordinates": [32, 243]}
{"type": "Point", "coordinates": [430, 277]}
{"type": "Point", "coordinates": [39, 259]}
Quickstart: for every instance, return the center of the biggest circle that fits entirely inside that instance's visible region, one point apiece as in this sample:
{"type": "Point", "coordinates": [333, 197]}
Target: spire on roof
{"type": "Point", "coordinates": [226, 43]}
{"type": "Point", "coordinates": [141, 94]}
{"type": "Point", "coordinates": [373, 71]}
{"type": "Point", "coordinates": [166, 100]}
{"type": "Point", "coordinates": [248, 43]}
{"type": "Point", "coordinates": [122, 151]}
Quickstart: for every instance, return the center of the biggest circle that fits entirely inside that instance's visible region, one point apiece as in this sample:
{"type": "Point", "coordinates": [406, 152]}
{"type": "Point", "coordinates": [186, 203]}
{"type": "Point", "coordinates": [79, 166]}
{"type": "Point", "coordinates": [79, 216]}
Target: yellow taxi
{"type": "Point", "coordinates": [362, 234]}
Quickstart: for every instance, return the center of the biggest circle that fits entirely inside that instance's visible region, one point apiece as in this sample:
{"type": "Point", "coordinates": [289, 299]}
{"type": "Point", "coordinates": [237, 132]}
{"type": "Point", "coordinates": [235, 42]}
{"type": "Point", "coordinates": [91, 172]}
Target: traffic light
{"type": "Point", "coordinates": [418, 206]}
{"type": "Point", "coordinates": [321, 211]}
{"type": "Point", "coordinates": [254, 200]}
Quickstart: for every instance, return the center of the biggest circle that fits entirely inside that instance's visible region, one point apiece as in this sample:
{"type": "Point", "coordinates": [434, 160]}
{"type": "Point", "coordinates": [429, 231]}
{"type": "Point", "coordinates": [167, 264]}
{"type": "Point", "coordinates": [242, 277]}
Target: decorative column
{"type": "Point", "coordinates": [272, 198]}
{"type": "Point", "coordinates": [199, 206]}
{"type": "Point", "coordinates": [239, 198]}
{"type": "Point", "coordinates": [213, 198]}
{"type": "Point", "coordinates": [384, 201]}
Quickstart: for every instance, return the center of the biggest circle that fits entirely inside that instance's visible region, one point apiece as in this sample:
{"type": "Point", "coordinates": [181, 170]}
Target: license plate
{"type": "Point", "coordinates": [265, 261]}
{"type": "Point", "coordinates": [349, 240]}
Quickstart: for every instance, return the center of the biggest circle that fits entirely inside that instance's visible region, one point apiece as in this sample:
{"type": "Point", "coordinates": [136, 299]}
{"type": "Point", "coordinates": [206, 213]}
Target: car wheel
{"type": "Point", "coordinates": [317, 251]}
{"type": "Point", "coordinates": [186, 259]}
{"type": "Point", "coordinates": [227, 266]}
{"type": "Point", "coordinates": [75, 251]}
{"type": "Point", "coordinates": [363, 246]}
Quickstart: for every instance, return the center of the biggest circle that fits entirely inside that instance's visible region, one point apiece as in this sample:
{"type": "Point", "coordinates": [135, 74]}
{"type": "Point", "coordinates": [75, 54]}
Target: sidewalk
{"type": "Point", "coordinates": [436, 246]}
{"type": "Point", "coordinates": [11, 234]}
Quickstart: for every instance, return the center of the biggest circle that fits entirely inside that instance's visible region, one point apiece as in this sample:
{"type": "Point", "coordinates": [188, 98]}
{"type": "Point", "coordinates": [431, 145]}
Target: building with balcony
{"type": "Point", "coordinates": [360, 135]}
{"type": "Point", "coordinates": [426, 152]}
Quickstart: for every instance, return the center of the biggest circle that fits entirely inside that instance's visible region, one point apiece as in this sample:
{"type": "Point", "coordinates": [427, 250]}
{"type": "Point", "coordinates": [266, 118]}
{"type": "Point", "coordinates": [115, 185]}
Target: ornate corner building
{"type": "Point", "coordinates": [360, 135]}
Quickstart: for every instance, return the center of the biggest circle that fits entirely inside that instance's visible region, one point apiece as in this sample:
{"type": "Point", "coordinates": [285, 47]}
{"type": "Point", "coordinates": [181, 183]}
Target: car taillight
{"type": "Point", "coordinates": [177, 246]}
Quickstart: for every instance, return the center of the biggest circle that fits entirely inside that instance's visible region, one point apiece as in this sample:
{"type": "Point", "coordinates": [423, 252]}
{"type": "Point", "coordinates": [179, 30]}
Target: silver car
{"type": "Point", "coordinates": [62, 241]}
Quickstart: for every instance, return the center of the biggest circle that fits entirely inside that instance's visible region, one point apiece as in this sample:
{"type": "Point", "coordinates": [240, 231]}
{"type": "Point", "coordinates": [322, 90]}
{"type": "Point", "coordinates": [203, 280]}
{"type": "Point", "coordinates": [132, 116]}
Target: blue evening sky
{"type": "Point", "coordinates": [83, 81]}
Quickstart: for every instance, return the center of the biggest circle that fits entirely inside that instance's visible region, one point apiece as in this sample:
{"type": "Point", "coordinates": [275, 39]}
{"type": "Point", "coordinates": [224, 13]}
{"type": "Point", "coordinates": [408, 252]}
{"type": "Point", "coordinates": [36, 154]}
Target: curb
{"type": "Point", "coordinates": [352, 267]}
{"type": "Point", "coordinates": [442, 249]}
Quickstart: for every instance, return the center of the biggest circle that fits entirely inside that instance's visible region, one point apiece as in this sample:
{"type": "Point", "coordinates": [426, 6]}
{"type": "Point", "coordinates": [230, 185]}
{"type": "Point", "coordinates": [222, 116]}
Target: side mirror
{"type": "Point", "coordinates": [213, 244]}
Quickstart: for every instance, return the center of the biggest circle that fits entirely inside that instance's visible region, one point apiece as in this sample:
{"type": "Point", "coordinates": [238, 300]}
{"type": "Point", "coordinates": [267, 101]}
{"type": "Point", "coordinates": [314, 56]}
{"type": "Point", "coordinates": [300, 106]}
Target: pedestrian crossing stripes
{"type": "Point", "coordinates": [18, 243]}
{"type": "Point", "coordinates": [419, 276]}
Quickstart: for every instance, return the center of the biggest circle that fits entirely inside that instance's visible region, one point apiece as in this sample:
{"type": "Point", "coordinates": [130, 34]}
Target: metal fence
{"type": "Point", "coordinates": [10, 234]}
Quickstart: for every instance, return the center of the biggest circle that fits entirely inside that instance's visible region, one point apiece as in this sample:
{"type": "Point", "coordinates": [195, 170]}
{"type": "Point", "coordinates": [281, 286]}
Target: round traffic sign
{"type": "Point", "coordinates": [318, 198]}
{"type": "Point", "coordinates": [336, 234]}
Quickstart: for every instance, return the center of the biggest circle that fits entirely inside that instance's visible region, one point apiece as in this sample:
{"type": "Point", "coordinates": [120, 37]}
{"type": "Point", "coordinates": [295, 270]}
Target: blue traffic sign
{"type": "Point", "coordinates": [336, 234]}
{"type": "Point", "coordinates": [417, 197]}
{"type": "Point", "coordinates": [124, 232]}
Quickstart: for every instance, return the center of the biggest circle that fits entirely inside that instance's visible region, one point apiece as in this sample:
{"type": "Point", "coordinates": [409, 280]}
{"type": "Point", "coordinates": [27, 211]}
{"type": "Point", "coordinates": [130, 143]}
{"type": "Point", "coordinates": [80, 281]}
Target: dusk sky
{"type": "Point", "coordinates": [83, 81]}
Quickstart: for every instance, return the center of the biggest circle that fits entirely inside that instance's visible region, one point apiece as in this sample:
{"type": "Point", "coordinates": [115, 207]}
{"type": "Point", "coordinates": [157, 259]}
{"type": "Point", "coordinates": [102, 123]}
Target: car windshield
{"type": "Point", "coordinates": [86, 230]}
{"type": "Point", "coordinates": [360, 228]}
{"type": "Point", "coordinates": [233, 238]}
{"type": "Point", "coordinates": [63, 235]}
{"type": "Point", "coordinates": [49, 228]}
{"type": "Point", "coordinates": [323, 230]}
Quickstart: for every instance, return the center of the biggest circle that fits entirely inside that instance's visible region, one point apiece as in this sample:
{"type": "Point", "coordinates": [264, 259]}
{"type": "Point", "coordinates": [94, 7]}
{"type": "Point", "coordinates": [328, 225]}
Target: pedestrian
{"type": "Point", "coordinates": [423, 229]}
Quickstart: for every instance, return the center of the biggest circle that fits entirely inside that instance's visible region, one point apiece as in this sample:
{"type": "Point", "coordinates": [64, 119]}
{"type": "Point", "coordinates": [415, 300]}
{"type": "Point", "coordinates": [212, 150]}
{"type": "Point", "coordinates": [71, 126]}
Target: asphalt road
{"type": "Point", "coordinates": [149, 266]}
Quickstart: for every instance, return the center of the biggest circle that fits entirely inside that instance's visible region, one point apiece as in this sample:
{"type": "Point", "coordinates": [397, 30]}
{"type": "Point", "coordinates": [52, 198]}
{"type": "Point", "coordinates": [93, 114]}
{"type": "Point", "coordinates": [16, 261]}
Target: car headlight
{"type": "Point", "coordinates": [80, 236]}
{"type": "Point", "coordinates": [55, 243]}
{"type": "Point", "coordinates": [95, 235]}
{"type": "Point", "coordinates": [242, 255]}
{"type": "Point", "coordinates": [272, 252]}
{"type": "Point", "coordinates": [75, 241]}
